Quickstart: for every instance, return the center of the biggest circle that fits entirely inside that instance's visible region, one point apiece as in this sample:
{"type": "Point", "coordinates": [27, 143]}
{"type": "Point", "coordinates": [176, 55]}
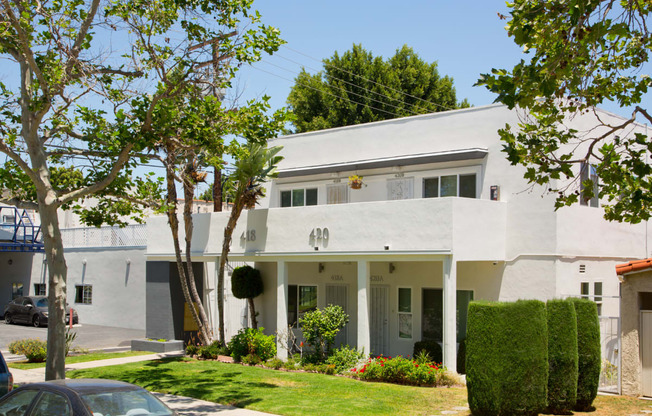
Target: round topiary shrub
{"type": "Point", "coordinates": [247, 283]}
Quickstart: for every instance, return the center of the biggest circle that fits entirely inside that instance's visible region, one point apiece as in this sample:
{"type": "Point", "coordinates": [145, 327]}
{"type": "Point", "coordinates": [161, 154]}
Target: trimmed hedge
{"type": "Point", "coordinates": [431, 347]}
{"type": "Point", "coordinates": [507, 357]}
{"type": "Point", "coordinates": [562, 356]}
{"type": "Point", "coordinates": [589, 353]}
{"type": "Point", "coordinates": [246, 282]}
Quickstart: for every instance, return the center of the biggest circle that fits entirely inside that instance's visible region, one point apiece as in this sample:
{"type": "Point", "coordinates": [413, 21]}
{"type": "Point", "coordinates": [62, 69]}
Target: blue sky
{"type": "Point", "coordinates": [465, 37]}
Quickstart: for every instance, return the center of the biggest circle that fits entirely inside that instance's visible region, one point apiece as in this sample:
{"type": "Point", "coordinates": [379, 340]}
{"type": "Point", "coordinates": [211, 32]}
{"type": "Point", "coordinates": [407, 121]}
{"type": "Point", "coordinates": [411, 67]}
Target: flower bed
{"type": "Point", "coordinates": [402, 370]}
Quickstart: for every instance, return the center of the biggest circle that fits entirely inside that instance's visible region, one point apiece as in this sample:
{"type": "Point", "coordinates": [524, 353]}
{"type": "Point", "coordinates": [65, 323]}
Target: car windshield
{"type": "Point", "coordinates": [42, 303]}
{"type": "Point", "coordinates": [125, 403]}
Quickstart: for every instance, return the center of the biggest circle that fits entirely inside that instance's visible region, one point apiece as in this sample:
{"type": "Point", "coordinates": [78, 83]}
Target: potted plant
{"type": "Point", "coordinates": [355, 181]}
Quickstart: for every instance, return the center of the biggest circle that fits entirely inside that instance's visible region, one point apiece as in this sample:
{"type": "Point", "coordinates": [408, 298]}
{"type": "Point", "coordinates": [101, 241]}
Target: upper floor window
{"type": "Point", "coordinates": [337, 193]}
{"type": "Point", "coordinates": [450, 185]}
{"type": "Point", "coordinates": [589, 172]}
{"type": "Point", "coordinates": [299, 197]}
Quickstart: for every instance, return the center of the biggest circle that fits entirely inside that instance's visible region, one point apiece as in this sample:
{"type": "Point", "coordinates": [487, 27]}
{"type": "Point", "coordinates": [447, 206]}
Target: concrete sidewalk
{"type": "Point", "coordinates": [183, 405]}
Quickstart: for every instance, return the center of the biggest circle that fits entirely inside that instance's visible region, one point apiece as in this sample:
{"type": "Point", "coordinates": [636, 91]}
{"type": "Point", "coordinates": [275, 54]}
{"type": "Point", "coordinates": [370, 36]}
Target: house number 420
{"type": "Point", "coordinates": [319, 236]}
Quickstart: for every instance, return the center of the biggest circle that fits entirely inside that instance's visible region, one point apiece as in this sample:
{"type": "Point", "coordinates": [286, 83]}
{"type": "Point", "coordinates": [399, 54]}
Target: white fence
{"type": "Point", "coordinates": [129, 236]}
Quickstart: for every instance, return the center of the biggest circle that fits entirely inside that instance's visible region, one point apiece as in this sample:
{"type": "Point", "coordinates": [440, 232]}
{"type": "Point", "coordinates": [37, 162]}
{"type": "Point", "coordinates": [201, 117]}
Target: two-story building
{"type": "Point", "coordinates": [441, 219]}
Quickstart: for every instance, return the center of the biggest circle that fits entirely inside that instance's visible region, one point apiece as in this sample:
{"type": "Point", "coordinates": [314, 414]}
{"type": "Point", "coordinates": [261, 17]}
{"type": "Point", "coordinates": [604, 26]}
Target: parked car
{"type": "Point", "coordinates": [82, 397]}
{"type": "Point", "coordinates": [6, 379]}
{"type": "Point", "coordinates": [32, 310]}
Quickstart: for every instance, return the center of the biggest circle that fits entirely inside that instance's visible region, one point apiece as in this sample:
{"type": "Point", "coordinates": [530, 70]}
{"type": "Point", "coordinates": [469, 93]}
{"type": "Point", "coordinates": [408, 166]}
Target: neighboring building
{"type": "Point", "coordinates": [441, 219]}
{"type": "Point", "coordinates": [636, 314]}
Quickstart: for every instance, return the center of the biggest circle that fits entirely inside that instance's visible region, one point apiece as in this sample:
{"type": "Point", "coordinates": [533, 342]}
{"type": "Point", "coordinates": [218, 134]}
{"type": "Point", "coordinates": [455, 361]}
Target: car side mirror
{"type": "Point", "coordinates": [30, 306]}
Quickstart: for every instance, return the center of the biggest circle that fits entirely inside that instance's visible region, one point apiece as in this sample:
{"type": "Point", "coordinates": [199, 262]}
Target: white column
{"type": "Point", "coordinates": [450, 313]}
{"type": "Point", "coordinates": [364, 338]}
{"type": "Point", "coordinates": [281, 305]}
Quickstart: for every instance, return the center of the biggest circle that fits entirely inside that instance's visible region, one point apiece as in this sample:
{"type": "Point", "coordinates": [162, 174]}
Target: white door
{"type": "Point", "coordinates": [337, 295]}
{"type": "Point", "coordinates": [379, 320]}
{"type": "Point", "coordinates": [646, 352]}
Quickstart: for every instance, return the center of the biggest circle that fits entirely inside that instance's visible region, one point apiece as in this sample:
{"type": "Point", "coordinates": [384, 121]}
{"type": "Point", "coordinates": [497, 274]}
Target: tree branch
{"type": "Point", "coordinates": [19, 161]}
{"type": "Point", "coordinates": [19, 203]}
{"type": "Point", "coordinates": [81, 35]}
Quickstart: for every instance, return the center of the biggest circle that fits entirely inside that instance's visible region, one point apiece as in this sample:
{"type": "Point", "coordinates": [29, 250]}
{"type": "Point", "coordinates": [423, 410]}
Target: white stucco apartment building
{"type": "Point", "coordinates": [442, 219]}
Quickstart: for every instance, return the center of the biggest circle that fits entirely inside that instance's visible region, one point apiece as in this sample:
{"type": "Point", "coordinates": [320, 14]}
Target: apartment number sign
{"type": "Point", "coordinates": [319, 237]}
{"type": "Point", "coordinates": [249, 235]}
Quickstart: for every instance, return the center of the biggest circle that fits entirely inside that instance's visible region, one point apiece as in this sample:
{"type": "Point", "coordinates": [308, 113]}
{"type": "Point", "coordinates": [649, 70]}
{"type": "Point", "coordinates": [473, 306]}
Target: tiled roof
{"type": "Point", "coordinates": [634, 266]}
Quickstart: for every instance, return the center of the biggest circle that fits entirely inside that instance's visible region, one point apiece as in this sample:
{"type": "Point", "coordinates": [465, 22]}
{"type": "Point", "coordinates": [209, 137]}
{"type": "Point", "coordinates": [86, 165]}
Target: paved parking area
{"type": "Point", "coordinates": [88, 336]}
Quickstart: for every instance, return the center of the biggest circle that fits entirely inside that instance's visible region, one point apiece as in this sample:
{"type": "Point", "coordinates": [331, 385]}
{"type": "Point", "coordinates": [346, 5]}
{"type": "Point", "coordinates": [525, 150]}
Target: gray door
{"type": "Point", "coordinates": [338, 295]}
{"type": "Point", "coordinates": [379, 320]}
{"type": "Point", "coordinates": [646, 352]}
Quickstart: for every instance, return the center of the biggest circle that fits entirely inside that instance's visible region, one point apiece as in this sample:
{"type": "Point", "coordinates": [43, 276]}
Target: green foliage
{"type": "Point", "coordinates": [506, 357]}
{"type": "Point", "coordinates": [275, 363]}
{"type": "Point", "coordinates": [589, 352]}
{"type": "Point", "coordinates": [402, 370]}
{"type": "Point", "coordinates": [70, 339]}
{"type": "Point", "coordinates": [246, 282]}
{"type": "Point", "coordinates": [320, 327]}
{"type": "Point", "coordinates": [250, 341]}
{"type": "Point", "coordinates": [357, 88]}
{"type": "Point", "coordinates": [251, 359]}
{"type": "Point", "coordinates": [209, 352]}
{"type": "Point", "coordinates": [345, 358]}
{"type": "Point", "coordinates": [562, 356]}
{"type": "Point", "coordinates": [581, 54]}
{"type": "Point", "coordinates": [34, 350]}
{"type": "Point", "coordinates": [432, 348]}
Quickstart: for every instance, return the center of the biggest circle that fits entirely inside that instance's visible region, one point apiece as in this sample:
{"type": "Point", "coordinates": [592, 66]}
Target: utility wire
{"type": "Point", "coordinates": [367, 79]}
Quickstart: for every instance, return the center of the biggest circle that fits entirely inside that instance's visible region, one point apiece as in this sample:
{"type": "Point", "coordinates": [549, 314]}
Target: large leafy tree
{"type": "Point", "coordinates": [357, 87]}
{"type": "Point", "coordinates": [582, 53]}
{"type": "Point", "coordinates": [82, 82]}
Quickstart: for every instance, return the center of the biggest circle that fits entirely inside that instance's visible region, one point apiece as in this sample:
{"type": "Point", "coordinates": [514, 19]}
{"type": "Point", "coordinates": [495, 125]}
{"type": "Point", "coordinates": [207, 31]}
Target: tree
{"type": "Point", "coordinates": [84, 80]}
{"type": "Point", "coordinates": [583, 53]}
{"type": "Point", "coordinates": [247, 283]}
{"type": "Point", "coordinates": [255, 165]}
{"type": "Point", "coordinates": [320, 327]}
{"type": "Point", "coordinates": [359, 88]}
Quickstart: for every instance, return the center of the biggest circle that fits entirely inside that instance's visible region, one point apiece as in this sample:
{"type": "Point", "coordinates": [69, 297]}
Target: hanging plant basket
{"type": "Point", "coordinates": [355, 182]}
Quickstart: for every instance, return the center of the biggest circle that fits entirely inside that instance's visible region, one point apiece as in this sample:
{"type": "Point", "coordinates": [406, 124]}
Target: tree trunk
{"type": "Point", "coordinates": [189, 192]}
{"type": "Point", "coordinates": [252, 311]}
{"type": "Point", "coordinates": [226, 244]}
{"type": "Point", "coordinates": [217, 190]}
{"type": "Point", "coordinates": [174, 228]}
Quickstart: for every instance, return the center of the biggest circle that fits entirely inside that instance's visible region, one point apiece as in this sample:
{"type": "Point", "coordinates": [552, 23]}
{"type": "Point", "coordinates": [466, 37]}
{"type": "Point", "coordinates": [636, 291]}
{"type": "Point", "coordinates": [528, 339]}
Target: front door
{"type": "Point", "coordinates": [646, 352]}
{"type": "Point", "coordinates": [338, 295]}
{"type": "Point", "coordinates": [379, 320]}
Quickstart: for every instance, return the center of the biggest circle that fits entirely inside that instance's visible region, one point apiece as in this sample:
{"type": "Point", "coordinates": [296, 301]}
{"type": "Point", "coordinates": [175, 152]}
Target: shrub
{"type": "Point", "coordinates": [191, 349]}
{"type": "Point", "coordinates": [34, 350]}
{"type": "Point", "coordinates": [320, 327]}
{"type": "Point", "coordinates": [431, 347]}
{"type": "Point", "coordinates": [275, 363]}
{"type": "Point", "coordinates": [70, 339]}
{"type": "Point", "coordinates": [588, 353]}
{"type": "Point", "coordinates": [507, 357]}
{"type": "Point", "coordinates": [247, 283]}
{"type": "Point", "coordinates": [345, 358]}
{"type": "Point", "coordinates": [562, 356]}
{"type": "Point", "coordinates": [252, 341]}
{"type": "Point", "coordinates": [251, 359]}
{"type": "Point", "coordinates": [403, 371]}
{"type": "Point", "coordinates": [210, 352]}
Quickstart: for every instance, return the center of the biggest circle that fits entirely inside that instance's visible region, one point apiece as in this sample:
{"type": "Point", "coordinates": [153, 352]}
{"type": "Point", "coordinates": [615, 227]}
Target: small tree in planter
{"type": "Point", "coordinates": [246, 283]}
{"type": "Point", "coordinates": [320, 327]}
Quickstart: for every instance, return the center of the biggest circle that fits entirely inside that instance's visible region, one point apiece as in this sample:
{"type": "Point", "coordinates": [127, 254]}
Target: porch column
{"type": "Point", "coordinates": [450, 313]}
{"type": "Point", "coordinates": [364, 338]}
{"type": "Point", "coordinates": [281, 306]}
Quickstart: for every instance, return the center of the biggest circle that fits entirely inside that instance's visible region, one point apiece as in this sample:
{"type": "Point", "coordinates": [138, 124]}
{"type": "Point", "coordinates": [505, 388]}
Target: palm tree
{"type": "Point", "coordinates": [252, 170]}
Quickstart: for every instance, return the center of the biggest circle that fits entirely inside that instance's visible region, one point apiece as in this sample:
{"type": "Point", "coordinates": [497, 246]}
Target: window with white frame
{"type": "Point", "coordinates": [84, 294]}
{"type": "Point", "coordinates": [588, 172]}
{"type": "Point", "coordinates": [405, 313]}
{"type": "Point", "coordinates": [463, 185]}
{"type": "Point", "coordinates": [592, 292]}
{"type": "Point", "coordinates": [39, 289]}
{"type": "Point", "coordinates": [337, 193]}
{"type": "Point", "coordinates": [400, 188]}
{"type": "Point", "coordinates": [301, 299]}
{"type": "Point", "coordinates": [299, 197]}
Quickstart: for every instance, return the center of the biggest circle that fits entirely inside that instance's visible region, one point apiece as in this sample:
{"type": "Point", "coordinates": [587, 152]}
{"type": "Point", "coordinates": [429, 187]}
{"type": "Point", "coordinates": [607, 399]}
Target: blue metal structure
{"type": "Point", "coordinates": [18, 232]}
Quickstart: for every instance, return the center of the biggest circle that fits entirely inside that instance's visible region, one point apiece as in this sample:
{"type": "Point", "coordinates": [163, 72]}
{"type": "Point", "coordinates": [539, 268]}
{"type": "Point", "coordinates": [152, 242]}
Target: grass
{"type": "Point", "coordinates": [290, 393]}
{"type": "Point", "coordinates": [94, 356]}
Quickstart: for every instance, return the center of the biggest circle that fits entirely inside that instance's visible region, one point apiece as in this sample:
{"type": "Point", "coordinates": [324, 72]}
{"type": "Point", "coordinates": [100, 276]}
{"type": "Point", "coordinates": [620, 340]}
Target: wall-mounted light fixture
{"type": "Point", "coordinates": [392, 267]}
{"type": "Point", "coordinates": [128, 261]}
{"type": "Point", "coordinates": [84, 262]}
{"type": "Point", "coordinates": [321, 267]}
{"type": "Point", "coordinates": [10, 262]}
{"type": "Point", "coordinates": [387, 247]}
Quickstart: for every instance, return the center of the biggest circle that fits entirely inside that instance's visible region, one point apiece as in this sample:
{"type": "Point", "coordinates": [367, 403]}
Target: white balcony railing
{"type": "Point", "coordinates": [129, 236]}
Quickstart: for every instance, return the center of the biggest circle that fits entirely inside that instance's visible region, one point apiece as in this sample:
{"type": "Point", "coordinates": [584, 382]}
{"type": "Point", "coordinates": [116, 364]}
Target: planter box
{"type": "Point", "coordinates": [156, 346]}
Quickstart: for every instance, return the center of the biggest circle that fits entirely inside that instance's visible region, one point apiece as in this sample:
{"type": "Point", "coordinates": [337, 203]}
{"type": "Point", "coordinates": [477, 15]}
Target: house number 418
{"type": "Point", "coordinates": [319, 236]}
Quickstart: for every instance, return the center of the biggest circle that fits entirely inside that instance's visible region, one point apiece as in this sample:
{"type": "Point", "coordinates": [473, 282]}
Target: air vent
{"type": "Point", "coordinates": [582, 268]}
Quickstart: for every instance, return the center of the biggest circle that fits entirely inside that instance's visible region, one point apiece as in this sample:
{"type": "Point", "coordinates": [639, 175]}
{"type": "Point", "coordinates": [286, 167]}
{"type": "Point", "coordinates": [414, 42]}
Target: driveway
{"type": "Point", "coordinates": [88, 336]}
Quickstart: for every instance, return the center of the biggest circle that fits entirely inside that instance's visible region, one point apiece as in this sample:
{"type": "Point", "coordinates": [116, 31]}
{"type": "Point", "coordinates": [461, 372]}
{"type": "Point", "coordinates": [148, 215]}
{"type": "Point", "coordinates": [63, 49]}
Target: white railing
{"type": "Point", "coordinates": [129, 236]}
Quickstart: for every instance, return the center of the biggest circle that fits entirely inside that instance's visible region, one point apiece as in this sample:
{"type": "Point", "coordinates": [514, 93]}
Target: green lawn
{"type": "Point", "coordinates": [94, 356]}
{"type": "Point", "coordinates": [280, 392]}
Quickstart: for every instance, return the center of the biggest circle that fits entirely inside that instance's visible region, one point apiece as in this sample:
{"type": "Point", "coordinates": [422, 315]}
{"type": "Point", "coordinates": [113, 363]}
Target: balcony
{"type": "Point", "coordinates": [102, 237]}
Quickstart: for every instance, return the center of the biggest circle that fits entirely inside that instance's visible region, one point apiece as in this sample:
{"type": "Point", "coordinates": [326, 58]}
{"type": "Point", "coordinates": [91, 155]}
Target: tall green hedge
{"type": "Point", "coordinates": [507, 357]}
{"type": "Point", "coordinates": [562, 356]}
{"type": "Point", "coordinates": [589, 353]}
